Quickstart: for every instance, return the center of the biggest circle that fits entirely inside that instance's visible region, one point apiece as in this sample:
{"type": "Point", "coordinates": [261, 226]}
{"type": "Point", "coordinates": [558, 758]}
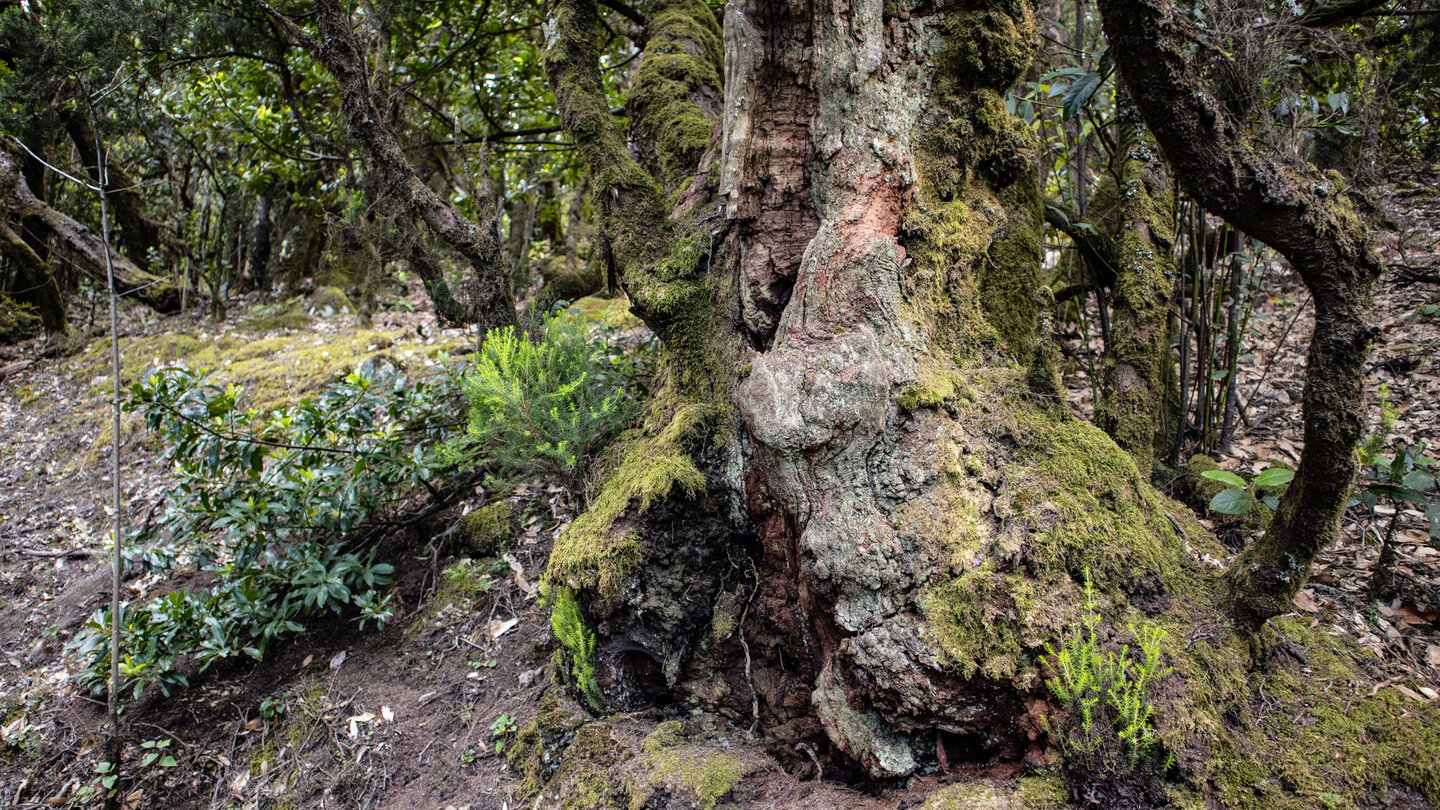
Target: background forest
{"type": "Point", "coordinates": [344, 316]}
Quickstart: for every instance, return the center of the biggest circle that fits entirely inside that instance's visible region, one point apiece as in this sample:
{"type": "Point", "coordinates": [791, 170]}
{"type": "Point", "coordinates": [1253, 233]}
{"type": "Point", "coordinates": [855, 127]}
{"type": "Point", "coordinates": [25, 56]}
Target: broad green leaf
{"type": "Point", "coordinates": [1420, 480]}
{"type": "Point", "coordinates": [1232, 502]}
{"type": "Point", "coordinates": [1079, 94]}
{"type": "Point", "coordinates": [1274, 477]}
{"type": "Point", "coordinates": [1229, 479]}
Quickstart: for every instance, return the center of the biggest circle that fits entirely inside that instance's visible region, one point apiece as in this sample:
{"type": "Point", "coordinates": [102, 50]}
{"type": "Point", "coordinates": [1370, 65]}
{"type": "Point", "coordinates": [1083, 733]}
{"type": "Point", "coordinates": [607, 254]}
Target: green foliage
{"type": "Point", "coordinates": [568, 623]}
{"type": "Point", "coordinates": [1239, 496]}
{"type": "Point", "coordinates": [1103, 689]}
{"type": "Point", "coordinates": [545, 406]}
{"type": "Point", "coordinates": [271, 505]}
{"type": "Point", "coordinates": [503, 728]}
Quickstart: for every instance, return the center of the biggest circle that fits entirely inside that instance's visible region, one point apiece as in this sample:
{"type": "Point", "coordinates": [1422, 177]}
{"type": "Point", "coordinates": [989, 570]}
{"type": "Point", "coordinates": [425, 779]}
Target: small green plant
{"type": "Point", "coordinates": [1239, 495]}
{"type": "Point", "coordinates": [156, 755]}
{"type": "Point", "coordinates": [1104, 690]}
{"type": "Point", "coordinates": [503, 729]}
{"type": "Point", "coordinates": [569, 626]}
{"type": "Point", "coordinates": [545, 406]}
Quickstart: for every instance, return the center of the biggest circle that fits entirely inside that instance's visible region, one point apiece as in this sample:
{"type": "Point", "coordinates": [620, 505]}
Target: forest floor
{"type": "Point", "coordinates": [416, 715]}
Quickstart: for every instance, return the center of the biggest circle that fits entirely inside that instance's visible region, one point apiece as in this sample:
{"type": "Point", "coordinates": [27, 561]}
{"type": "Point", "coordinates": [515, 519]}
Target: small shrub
{"type": "Point", "coordinates": [544, 407]}
{"type": "Point", "coordinates": [275, 507]}
{"type": "Point", "coordinates": [1102, 690]}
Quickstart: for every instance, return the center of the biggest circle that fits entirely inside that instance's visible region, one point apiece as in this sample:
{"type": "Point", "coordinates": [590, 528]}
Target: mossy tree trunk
{"type": "Point", "coordinates": [855, 512]}
{"type": "Point", "coordinates": [1300, 212]}
{"type": "Point", "coordinates": [83, 244]}
{"type": "Point", "coordinates": [1133, 389]}
{"type": "Point", "coordinates": [859, 459]}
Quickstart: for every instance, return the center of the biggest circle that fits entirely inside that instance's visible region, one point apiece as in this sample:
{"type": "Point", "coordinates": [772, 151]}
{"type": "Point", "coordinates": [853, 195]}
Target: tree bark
{"type": "Point", "coordinates": [1300, 212]}
{"type": "Point", "coordinates": [1133, 389]}
{"type": "Point", "coordinates": [257, 260]}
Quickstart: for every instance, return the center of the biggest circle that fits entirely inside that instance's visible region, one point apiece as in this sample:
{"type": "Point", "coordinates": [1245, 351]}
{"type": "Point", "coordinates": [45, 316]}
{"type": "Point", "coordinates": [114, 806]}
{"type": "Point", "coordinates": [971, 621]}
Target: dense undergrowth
{"type": "Point", "coordinates": [283, 510]}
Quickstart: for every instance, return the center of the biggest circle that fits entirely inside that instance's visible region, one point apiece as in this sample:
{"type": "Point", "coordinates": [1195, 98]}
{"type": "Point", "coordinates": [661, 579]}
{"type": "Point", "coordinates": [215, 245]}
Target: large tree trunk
{"type": "Point", "coordinates": [855, 512]}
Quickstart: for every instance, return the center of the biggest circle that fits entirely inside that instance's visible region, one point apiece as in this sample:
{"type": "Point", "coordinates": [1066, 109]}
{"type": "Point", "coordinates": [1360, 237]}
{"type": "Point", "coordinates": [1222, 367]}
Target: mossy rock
{"type": "Point", "coordinates": [488, 531]}
{"type": "Point", "coordinates": [17, 322]}
{"type": "Point", "coordinates": [328, 301]}
{"type": "Point", "coordinates": [283, 317]}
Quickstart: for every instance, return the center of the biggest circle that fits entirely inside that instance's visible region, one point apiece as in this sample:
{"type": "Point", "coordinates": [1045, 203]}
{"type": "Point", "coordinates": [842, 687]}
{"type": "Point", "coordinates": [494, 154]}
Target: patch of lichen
{"type": "Point", "coordinates": [651, 463]}
{"type": "Point", "coordinates": [488, 531]}
{"type": "Point", "coordinates": [1031, 793]}
{"type": "Point", "coordinates": [987, 623]}
{"type": "Point", "coordinates": [698, 775]}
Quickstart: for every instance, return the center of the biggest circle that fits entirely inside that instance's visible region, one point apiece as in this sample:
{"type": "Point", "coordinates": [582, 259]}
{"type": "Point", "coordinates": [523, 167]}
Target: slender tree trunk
{"type": "Point", "coordinates": [257, 260]}
{"type": "Point", "coordinates": [1292, 207]}
{"type": "Point", "coordinates": [488, 299]}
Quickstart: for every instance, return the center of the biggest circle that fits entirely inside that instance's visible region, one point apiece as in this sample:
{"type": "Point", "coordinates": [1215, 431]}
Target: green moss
{"type": "Point", "coordinates": [17, 321]}
{"type": "Point", "coordinates": [273, 371]}
{"type": "Point", "coordinates": [985, 622]}
{"type": "Point", "coordinates": [488, 531]}
{"type": "Point", "coordinates": [666, 735]}
{"type": "Point", "coordinates": [1092, 510]}
{"type": "Point", "coordinates": [1010, 277]}
{"type": "Point", "coordinates": [327, 301]}
{"type": "Point", "coordinates": [595, 553]}
{"type": "Point", "coordinates": [1133, 392]}
{"type": "Point", "coordinates": [682, 59]}
{"type": "Point", "coordinates": [284, 317]}
{"type": "Point", "coordinates": [537, 748]}
{"type": "Point", "coordinates": [1034, 793]}
{"type": "Point", "coordinates": [700, 774]}
{"type": "Point", "coordinates": [1325, 735]}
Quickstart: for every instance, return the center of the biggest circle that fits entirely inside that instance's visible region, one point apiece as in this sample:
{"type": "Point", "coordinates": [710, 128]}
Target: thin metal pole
{"type": "Point", "coordinates": [116, 556]}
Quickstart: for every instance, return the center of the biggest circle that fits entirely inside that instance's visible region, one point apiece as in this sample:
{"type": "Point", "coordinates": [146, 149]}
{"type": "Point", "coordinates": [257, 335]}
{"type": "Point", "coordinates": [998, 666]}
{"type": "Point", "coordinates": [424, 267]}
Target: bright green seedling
{"type": "Point", "coordinates": [1100, 688]}
{"type": "Point", "coordinates": [1238, 497]}
{"type": "Point", "coordinates": [156, 755]}
{"type": "Point", "coordinates": [502, 729]}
